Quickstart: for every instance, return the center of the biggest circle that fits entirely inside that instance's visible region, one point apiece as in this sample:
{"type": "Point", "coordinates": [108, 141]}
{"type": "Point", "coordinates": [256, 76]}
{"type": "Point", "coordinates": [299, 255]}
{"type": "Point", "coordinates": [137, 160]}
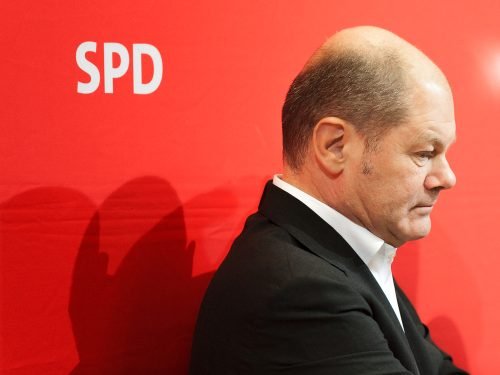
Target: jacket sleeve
{"type": "Point", "coordinates": [445, 365]}
{"type": "Point", "coordinates": [318, 326]}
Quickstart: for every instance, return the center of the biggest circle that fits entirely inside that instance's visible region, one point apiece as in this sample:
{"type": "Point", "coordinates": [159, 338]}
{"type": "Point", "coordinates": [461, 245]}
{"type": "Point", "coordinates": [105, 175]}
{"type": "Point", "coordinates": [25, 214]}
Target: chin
{"type": "Point", "coordinates": [421, 230]}
{"type": "Point", "coordinates": [415, 230]}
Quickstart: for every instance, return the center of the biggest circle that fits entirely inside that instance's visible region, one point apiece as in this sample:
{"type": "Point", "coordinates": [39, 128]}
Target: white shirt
{"type": "Point", "coordinates": [373, 251]}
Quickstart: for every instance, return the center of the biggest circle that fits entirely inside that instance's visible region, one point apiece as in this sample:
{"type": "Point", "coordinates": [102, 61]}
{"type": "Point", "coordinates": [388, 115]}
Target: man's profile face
{"type": "Point", "coordinates": [396, 186]}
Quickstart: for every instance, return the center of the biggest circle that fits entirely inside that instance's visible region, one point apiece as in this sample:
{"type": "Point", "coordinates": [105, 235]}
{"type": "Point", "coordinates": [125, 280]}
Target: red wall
{"type": "Point", "coordinates": [115, 208]}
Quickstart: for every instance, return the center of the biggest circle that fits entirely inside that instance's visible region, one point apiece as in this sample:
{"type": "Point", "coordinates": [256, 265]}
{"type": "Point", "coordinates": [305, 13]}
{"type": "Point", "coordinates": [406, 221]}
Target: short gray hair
{"type": "Point", "coordinates": [370, 90]}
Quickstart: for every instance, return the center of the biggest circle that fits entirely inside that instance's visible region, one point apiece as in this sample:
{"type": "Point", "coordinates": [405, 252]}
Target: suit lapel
{"type": "Point", "coordinates": [321, 239]}
{"type": "Point", "coordinates": [307, 227]}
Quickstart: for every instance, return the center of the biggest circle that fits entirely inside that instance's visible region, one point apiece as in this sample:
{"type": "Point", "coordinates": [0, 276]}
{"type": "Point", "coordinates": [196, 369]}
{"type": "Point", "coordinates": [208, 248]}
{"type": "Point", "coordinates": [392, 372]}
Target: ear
{"type": "Point", "coordinates": [329, 137]}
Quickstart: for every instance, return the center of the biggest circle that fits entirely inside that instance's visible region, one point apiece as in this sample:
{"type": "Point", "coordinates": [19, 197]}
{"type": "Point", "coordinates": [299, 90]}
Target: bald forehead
{"type": "Point", "coordinates": [373, 42]}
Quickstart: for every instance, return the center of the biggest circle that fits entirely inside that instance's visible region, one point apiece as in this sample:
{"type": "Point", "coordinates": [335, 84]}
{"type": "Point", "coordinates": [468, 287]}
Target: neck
{"type": "Point", "coordinates": [315, 186]}
{"type": "Point", "coordinates": [325, 189]}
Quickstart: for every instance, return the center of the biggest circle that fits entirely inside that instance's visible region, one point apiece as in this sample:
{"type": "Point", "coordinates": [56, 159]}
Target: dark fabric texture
{"type": "Point", "coordinates": [292, 297]}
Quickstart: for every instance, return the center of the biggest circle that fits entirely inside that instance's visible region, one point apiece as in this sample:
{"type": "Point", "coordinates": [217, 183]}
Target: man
{"type": "Point", "coordinates": [307, 287]}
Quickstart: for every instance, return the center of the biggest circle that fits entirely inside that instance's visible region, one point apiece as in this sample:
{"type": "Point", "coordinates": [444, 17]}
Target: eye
{"type": "Point", "coordinates": [424, 156]}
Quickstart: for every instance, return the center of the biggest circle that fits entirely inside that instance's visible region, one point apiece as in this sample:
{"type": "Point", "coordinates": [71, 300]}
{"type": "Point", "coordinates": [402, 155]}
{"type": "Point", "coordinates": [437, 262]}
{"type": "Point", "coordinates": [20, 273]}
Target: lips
{"type": "Point", "coordinates": [424, 209]}
{"type": "Point", "coordinates": [425, 205]}
{"type": "Point", "coordinates": [429, 204]}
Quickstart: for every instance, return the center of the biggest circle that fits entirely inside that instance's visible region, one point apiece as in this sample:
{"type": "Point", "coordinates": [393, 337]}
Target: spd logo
{"type": "Point", "coordinates": [110, 72]}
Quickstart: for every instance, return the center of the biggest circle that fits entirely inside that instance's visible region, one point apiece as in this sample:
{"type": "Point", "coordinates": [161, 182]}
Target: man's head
{"type": "Point", "coordinates": [366, 125]}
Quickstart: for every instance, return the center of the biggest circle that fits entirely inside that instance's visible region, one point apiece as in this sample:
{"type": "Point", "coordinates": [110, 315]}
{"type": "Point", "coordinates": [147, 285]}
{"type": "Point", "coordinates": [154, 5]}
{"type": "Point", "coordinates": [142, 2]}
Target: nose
{"type": "Point", "coordinates": [441, 176]}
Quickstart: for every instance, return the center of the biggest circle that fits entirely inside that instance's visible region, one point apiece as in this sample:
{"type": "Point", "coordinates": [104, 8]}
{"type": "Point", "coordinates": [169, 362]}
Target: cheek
{"type": "Point", "coordinates": [401, 195]}
{"type": "Point", "coordinates": [391, 188]}
{"type": "Point", "coordinates": [408, 181]}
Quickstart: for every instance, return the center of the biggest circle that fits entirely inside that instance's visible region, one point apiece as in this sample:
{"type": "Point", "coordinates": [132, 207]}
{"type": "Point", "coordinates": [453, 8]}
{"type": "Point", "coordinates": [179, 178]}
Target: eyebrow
{"type": "Point", "coordinates": [433, 139]}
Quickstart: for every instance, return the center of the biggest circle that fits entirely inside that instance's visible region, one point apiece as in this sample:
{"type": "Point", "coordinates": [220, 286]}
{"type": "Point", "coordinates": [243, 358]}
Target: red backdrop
{"type": "Point", "coordinates": [116, 207]}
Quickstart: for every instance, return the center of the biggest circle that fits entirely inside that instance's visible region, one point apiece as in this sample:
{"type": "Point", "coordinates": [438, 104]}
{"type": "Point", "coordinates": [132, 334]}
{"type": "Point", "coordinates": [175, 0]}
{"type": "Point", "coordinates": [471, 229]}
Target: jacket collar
{"type": "Point", "coordinates": [307, 227]}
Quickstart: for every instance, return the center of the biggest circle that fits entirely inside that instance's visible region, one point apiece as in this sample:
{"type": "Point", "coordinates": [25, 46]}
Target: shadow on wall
{"type": "Point", "coordinates": [132, 299]}
{"type": "Point", "coordinates": [40, 231]}
{"type": "Point", "coordinates": [446, 333]}
{"type": "Point", "coordinates": [443, 329]}
{"type": "Point", "coordinates": [139, 320]}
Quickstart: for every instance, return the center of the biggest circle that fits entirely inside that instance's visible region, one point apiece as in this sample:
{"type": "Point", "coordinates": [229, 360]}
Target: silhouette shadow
{"type": "Point", "coordinates": [446, 333]}
{"type": "Point", "coordinates": [443, 330]}
{"type": "Point", "coordinates": [40, 230]}
{"type": "Point", "coordinates": [140, 318]}
{"type": "Point", "coordinates": [132, 298]}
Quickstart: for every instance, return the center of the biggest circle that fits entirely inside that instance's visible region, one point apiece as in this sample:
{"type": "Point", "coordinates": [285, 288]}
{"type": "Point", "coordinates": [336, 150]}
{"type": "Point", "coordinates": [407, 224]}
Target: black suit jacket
{"type": "Point", "coordinates": [292, 297]}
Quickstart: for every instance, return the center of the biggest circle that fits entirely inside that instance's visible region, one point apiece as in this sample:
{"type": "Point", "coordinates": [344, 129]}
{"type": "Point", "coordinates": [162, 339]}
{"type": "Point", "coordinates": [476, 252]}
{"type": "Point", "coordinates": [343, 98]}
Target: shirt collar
{"type": "Point", "coordinates": [363, 242]}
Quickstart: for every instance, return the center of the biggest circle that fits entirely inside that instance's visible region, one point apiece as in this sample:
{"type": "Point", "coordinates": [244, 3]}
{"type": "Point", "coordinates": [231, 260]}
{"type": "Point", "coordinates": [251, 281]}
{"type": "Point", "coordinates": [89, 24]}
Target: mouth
{"type": "Point", "coordinates": [428, 204]}
{"type": "Point", "coordinates": [424, 208]}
